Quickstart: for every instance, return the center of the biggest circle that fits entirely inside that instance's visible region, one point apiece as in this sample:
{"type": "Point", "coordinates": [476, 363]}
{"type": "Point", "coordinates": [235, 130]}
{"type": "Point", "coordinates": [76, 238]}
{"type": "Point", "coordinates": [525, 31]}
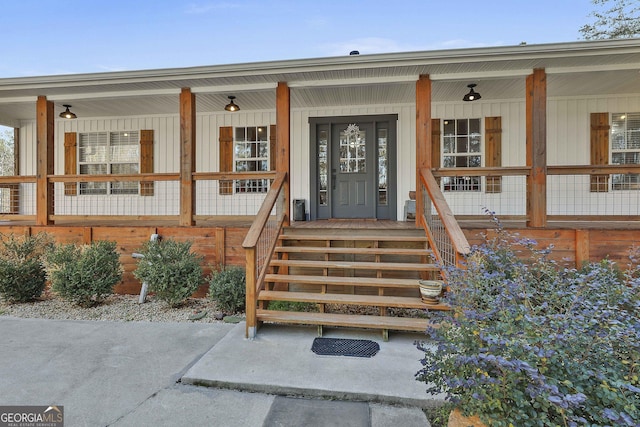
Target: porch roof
{"type": "Point", "coordinates": [577, 68]}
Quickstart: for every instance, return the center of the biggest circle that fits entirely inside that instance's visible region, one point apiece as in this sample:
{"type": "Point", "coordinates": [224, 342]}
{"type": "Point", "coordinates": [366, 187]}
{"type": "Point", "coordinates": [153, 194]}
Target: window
{"type": "Point", "coordinates": [625, 148]}
{"type": "Point", "coordinates": [9, 193]}
{"type": "Point", "coordinates": [461, 143]}
{"type": "Point", "coordinates": [114, 153]}
{"type": "Point", "coordinates": [251, 154]}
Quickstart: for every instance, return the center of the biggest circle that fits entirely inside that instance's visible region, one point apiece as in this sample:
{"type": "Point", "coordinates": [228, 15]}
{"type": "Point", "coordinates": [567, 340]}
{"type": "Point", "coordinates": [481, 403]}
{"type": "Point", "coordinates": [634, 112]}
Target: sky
{"type": "Point", "coordinates": [45, 37]}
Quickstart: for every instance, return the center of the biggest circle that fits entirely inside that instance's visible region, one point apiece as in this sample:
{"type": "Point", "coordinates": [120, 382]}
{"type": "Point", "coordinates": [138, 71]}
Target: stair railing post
{"type": "Point", "coordinates": [251, 303]}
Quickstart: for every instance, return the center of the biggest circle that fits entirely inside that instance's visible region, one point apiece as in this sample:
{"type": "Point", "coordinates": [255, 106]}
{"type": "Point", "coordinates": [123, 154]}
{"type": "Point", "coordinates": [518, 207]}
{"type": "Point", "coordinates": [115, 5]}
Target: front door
{"type": "Point", "coordinates": [352, 177]}
{"type": "Point", "coordinates": [353, 167]}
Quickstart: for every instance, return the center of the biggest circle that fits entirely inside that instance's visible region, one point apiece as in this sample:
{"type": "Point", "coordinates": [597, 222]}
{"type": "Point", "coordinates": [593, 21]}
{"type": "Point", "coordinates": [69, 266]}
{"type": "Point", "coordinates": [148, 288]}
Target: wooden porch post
{"type": "Point", "coordinates": [283, 142]}
{"type": "Point", "coordinates": [44, 153]}
{"type": "Point", "coordinates": [187, 156]}
{"type": "Point", "coordinates": [536, 145]}
{"type": "Point", "coordinates": [423, 137]}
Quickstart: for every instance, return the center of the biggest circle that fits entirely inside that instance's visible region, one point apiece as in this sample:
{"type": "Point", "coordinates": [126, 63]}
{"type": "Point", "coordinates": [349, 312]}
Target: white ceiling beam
{"type": "Point", "coordinates": [352, 82]}
{"type": "Point", "coordinates": [480, 75]}
{"type": "Point", "coordinates": [19, 100]}
{"type": "Point", "coordinates": [592, 68]}
{"type": "Point", "coordinates": [234, 88]}
{"type": "Point", "coordinates": [114, 94]}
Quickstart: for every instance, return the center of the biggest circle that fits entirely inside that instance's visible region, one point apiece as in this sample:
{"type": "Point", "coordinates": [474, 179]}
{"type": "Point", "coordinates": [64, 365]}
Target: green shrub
{"type": "Point", "coordinates": [84, 274]}
{"type": "Point", "coordinates": [529, 343]}
{"type": "Point", "coordinates": [22, 274]}
{"type": "Point", "coordinates": [293, 306]}
{"type": "Point", "coordinates": [227, 288]}
{"type": "Point", "coordinates": [172, 271]}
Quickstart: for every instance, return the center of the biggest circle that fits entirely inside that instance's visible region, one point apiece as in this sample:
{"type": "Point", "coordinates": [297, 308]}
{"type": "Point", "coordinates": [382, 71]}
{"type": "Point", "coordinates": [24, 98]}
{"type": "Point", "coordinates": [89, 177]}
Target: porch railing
{"type": "Point", "coordinates": [152, 196]}
{"type": "Point", "coordinates": [574, 193]}
{"type": "Point", "coordinates": [17, 198]}
{"type": "Point", "coordinates": [259, 245]}
{"type": "Point", "coordinates": [447, 240]}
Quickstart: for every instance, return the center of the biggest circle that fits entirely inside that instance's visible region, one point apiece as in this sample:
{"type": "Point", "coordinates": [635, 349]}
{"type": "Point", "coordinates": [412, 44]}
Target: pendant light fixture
{"type": "Point", "coordinates": [231, 106]}
{"type": "Point", "coordinates": [67, 114]}
{"type": "Point", "coordinates": [472, 95]}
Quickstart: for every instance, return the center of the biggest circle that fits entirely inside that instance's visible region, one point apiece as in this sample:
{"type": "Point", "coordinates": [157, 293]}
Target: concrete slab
{"type": "Point", "coordinates": [294, 412]}
{"type": "Point", "coordinates": [127, 373]}
{"type": "Point", "coordinates": [280, 361]}
{"type": "Point", "coordinates": [99, 371]}
{"type": "Point", "coordinates": [183, 405]}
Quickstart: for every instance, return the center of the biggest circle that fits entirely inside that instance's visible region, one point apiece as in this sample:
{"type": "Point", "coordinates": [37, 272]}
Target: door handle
{"type": "Point", "coordinates": [333, 179]}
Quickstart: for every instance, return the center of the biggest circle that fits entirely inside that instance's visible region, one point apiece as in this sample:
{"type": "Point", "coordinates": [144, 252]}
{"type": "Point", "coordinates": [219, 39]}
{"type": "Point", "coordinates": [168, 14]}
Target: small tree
{"type": "Point", "coordinates": [172, 271]}
{"type": "Point", "coordinates": [614, 19]}
{"type": "Point", "coordinates": [22, 274]}
{"type": "Point", "coordinates": [227, 288]}
{"type": "Point", "coordinates": [84, 274]}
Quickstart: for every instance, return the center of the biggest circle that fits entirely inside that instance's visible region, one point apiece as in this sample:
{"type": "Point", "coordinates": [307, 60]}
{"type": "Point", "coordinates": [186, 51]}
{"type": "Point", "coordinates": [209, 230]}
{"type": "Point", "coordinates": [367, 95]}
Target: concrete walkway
{"type": "Point", "coordinates": [135, 374]}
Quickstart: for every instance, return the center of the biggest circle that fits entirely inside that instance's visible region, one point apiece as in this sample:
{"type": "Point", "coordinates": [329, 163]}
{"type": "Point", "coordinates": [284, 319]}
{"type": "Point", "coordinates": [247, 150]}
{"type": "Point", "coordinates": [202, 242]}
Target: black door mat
{"type": "Point", "coordinates": [344, 347]}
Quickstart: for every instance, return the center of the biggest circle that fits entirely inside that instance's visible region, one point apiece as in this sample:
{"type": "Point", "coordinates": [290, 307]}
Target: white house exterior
{"type": "Point", "coordinates": [580, 78]}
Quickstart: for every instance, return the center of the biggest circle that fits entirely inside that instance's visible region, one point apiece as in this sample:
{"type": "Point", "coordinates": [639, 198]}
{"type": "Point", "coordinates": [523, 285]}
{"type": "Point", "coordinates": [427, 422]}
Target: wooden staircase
{"type": "Point", "coordinates": [359, 278]}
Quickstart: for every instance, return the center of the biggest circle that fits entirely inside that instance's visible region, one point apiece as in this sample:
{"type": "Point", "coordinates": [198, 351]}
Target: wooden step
{"type": "Point", "coordinates": [368, 300]}
{"type": "Point", "coordinates": [375, 266]}
{"type": "Point", "coordinates": [346, 236]}
{"type": "Point", "coordinates": [348, 320]}
{"type": "Point", "coordinates": [356, 251]}
{"type": "Point", "coordinates": [344, 281]}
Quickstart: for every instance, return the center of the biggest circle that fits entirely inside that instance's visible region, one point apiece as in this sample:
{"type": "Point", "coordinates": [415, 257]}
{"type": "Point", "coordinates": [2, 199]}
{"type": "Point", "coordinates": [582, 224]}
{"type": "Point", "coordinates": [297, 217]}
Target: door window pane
{"type": "Point", "coordinates": [353, 152]}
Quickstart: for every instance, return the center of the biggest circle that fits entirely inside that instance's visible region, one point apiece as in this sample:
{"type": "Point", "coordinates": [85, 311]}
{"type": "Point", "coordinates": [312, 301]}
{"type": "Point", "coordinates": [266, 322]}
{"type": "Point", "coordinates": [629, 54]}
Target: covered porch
{"type": "Point", "coordinates": [540, 158]}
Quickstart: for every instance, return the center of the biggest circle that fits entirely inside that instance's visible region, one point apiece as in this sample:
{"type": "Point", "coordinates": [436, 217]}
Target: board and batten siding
{"type": "Point", "coordinates": [567, 144]}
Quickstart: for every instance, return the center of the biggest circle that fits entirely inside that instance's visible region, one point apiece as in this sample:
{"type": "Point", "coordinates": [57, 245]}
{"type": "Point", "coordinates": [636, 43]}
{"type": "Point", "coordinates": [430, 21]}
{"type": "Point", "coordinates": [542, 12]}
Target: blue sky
{"type": "Point", "coordinates": [43, 37]}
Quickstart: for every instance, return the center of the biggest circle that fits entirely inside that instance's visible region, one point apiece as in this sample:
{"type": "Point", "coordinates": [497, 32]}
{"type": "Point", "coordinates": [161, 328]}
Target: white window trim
{"type": "Point", "coordinates": [480, 153]}
{"type": "Point", "coordinates": [631, 186]}
{"type": "Point", "coordinates": [109, 190]}
{"type": "Point", "coordinates": [251, 186]}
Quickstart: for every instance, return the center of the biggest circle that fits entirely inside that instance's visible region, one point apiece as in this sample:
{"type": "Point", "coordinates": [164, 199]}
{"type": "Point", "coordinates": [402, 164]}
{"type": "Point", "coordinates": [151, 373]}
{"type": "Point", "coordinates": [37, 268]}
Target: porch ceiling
{"type": "Point", "coordinates": [573, 69]}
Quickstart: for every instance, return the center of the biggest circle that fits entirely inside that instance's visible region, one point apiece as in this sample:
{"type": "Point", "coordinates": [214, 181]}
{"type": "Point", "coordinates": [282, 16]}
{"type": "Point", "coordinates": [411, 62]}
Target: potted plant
{"type": "Point", "coordinates": [529, 343]}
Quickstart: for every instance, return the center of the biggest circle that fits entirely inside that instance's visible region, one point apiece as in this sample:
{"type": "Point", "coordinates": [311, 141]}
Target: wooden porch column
{"type": "Point", "coordinates": [283, 142]}
{"type": "Point", "coordinates": [423, 137]}
{"type": "Point", "coordinates": [187, 156]}
{"type": "Point", "coordinates": [536, 145]}
{"type": "Point", "coordinates": [44, 153]}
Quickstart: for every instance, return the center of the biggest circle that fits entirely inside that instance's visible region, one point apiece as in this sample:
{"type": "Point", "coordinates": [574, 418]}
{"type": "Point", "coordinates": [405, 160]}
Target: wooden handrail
{"type": "Point", "coordinates": [224, 176]}
{"type": "Point", "coordinates": [17, 179]}
{"type": "Point", "coordinates": [592, 169]}
{"type": "Point", "coordinates": [147, 177]}
{"type": "Point", "coordinates": [142, 177]}
{"type": "Point", "coordinates": [488, 171]}
{"type": "Point", "coordinates": [525, 170]}
{"type": "Point", "coordinates": [251, 239]}
{"type": "Point", "coordinates": [457, 237]}
{"type": "Point", "coordinates": [255, 272]}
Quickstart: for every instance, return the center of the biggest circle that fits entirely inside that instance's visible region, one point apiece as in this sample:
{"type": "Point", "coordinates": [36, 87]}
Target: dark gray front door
{"type": "Point", "coordinates": [353, 167]}
{"type": "Point", "coordinates": [352, 170]}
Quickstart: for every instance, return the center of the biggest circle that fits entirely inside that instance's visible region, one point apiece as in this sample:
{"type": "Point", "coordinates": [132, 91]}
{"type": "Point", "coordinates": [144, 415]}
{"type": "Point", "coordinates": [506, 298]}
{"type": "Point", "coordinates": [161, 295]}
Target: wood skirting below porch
{"type": "Point", "coordinates": [220, 241]}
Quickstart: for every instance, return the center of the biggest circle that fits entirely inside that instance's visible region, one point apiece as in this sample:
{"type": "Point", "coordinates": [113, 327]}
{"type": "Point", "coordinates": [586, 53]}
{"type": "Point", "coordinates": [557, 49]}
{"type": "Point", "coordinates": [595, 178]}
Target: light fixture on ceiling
{"type": "Point", "coordinates": [67, 114]}
{"type": "Point", "coordinates": [472, 95]}
{"type": "Point", "coordinates": [231, 106]}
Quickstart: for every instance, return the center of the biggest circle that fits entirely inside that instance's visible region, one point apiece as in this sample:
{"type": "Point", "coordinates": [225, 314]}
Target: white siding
{"type": "Point", "coordinates": [567, 137]}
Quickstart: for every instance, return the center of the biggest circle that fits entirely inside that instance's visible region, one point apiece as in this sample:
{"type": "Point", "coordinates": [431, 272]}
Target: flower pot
{"type": "Point", "coordinates": [430, 291]}
{"type": "Point", "coordinates": [456, 419]}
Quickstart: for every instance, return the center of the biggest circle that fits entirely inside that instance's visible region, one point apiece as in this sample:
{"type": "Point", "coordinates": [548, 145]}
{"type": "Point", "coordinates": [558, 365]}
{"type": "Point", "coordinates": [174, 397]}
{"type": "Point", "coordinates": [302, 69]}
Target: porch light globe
{"type": "Point", "coordinates": [67, 114]}
{"type": "Point", "coordinates": [231, 106]}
